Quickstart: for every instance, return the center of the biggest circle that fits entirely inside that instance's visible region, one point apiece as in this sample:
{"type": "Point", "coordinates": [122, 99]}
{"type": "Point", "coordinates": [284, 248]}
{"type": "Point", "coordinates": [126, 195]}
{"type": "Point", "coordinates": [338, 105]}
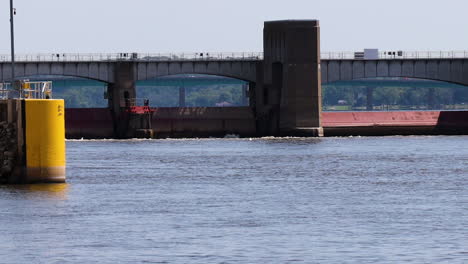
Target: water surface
{"type": "Point", "coordinates": [330, 200]}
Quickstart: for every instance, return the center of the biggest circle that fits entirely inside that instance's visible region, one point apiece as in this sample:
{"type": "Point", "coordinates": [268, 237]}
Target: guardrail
{"type": "Point", "coordinates": [72, 57]}
{"type": "Point", "coordinates": [136, 102]}
{"type": "Point", "coordinates": [212, 56]}
{"type": "Point", "coordinates": [5, 89]}
{"type": "Point", "coordinates": [26, 89]}
{"type": "Point", "coordinates": [349, 55]}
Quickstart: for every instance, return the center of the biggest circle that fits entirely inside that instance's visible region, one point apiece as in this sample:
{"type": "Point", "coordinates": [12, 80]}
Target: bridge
{"type": "Point", "coordinates": [284, 81]}
{"type": "Point", "coordinates": [451, 66]}
{"type": "Point", "coordinates": [447, 69]}
{"type": "Point", "coordinates": [103, 67]}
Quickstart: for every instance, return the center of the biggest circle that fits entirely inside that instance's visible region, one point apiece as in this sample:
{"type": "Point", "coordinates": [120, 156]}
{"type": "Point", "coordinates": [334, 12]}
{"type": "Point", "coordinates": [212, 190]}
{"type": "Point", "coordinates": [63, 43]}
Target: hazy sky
{"type": "Point", "coordinates": [228, 26]}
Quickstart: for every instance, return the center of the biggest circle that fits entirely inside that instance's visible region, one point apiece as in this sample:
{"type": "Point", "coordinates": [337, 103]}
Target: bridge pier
{"type": "Point", "coordinates": [182, 96]}
{"type": "Point", "coordinates": [289, 96]}
{"type": "Point", "coordinates": [244, 99]}
{"type": "Point", "coordinates": [431, 103]}
{"type": "Point", "coordinates": [119, 92]}
{"type": "Point", "coordinates": [370, 98]}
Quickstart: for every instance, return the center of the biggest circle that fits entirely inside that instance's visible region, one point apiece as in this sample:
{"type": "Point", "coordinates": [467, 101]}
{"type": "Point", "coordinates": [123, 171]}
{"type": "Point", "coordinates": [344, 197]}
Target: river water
{"type": "Point", "coordinates": [330, 200]}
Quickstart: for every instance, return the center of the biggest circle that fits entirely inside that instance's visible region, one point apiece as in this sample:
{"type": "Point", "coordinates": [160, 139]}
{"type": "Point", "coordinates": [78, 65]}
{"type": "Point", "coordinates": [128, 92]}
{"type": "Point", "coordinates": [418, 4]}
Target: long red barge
{"type": "Point", "coordinates": [219, 121]}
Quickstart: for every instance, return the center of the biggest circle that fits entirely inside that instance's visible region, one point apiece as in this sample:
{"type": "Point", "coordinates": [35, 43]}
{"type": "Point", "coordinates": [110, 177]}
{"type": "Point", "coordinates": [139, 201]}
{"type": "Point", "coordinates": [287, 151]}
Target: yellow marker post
{"type": "Point", "coordinates": [45, 140]}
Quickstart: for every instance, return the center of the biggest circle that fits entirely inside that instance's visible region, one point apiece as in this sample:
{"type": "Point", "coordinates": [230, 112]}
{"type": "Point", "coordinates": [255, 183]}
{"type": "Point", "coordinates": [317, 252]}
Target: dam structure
{"type": "Point", "coordinates": [284, 84]}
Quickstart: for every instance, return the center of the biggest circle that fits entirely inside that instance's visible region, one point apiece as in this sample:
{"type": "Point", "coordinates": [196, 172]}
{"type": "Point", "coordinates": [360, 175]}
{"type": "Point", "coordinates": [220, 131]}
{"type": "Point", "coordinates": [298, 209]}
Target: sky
{"type": "Point", "coordinates": [163, 26]}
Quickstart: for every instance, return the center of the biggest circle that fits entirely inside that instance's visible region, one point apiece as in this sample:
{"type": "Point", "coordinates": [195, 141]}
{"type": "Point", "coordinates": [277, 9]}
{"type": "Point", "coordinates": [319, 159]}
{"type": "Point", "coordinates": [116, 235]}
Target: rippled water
{"type": "Point", "coordinates": [331, 200]}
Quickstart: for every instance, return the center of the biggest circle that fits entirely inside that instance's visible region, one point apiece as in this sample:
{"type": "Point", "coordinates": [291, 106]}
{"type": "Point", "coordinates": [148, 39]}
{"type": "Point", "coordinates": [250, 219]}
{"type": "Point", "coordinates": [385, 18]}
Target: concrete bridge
{"type": "Point", "coordinates": [284, 81]}
{"type": "Point", "coordinates": [448, 67]}
{"type": "Point", "coordinates": [140, 69]}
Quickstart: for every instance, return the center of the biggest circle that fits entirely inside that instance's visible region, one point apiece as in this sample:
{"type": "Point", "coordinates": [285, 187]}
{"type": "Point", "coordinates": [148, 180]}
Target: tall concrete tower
{"type": "Point", "coordinates": [289, 101]}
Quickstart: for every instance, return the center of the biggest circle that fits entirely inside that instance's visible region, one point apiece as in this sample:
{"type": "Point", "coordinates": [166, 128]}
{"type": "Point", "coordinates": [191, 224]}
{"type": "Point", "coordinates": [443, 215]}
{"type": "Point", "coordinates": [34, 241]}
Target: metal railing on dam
{"type": "Point", "coordinates": [221, 56]}
{"type": "Point", "coordinates": [349, 55]}
{"type": "Point", "coordinates": [90, 57]}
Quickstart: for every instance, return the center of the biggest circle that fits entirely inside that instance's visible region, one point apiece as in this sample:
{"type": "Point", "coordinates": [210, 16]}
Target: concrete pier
{"type": "Point", "coordinates": [32, 142]}
{"type": "Point", "coordinates": [289, 99]}
{"type": "Point", "coordinates": [119, 94]}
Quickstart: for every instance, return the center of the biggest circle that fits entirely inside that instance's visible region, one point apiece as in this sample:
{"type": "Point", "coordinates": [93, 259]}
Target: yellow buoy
{"type": "Point", "coordinates": [45, 140]}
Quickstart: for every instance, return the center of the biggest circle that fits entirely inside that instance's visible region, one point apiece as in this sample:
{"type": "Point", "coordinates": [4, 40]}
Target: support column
{"type": "Point", "coordinates": [252, 95]}
{"type": "Point", "coordinates": [245, 97]}
{"type": "Point", "coordinates": [292, 91]}
{"type": "Point", "coordinates": [119, 93]}
{"type": "Point", "coordinates": [370, 98]}
{"type": "Point", "coordinates": [431, 105]}
{"type": "Point", "coordinates": [181, 96]}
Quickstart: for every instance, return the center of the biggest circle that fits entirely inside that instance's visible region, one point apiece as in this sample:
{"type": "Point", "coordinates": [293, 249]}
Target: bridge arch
{"type": "Point", "coordinates": [77, 92]}
{"type": "Point", "coordinates": [98, 71]}
{"type": "Point", "coordinates": [396, 81]}
{"type": "Point", "coordinates": [396, 93]}
{"type": "Point", "coordinates": [57, 77]}
{"type": "Point", "coordinates": [446, 70]}
{"type": "Point", "coordinates": [194, 90]}
{"type": "Point", "coordinates": [241, 70]}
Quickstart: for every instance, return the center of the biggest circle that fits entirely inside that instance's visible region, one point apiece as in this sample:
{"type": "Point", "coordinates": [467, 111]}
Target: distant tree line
{"type": "Point", "coordinates": [398, 96]}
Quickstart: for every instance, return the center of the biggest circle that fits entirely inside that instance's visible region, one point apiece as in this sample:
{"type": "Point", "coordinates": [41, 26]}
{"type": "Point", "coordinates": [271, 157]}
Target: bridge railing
{"type": "Point", "coordinates": [349, 55]}
{"type": "Point", "coordinates": [72, 57]}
